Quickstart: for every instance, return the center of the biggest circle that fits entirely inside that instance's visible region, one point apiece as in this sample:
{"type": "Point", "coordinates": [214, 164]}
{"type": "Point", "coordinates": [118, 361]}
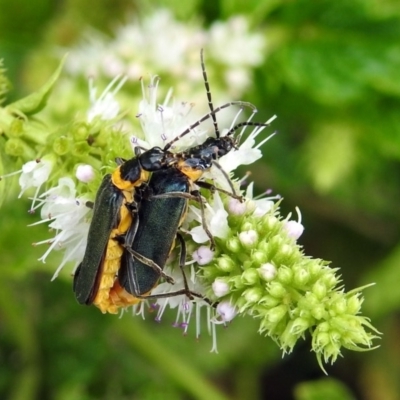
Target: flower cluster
{"type": "Point", "coordinates": [256, 269]}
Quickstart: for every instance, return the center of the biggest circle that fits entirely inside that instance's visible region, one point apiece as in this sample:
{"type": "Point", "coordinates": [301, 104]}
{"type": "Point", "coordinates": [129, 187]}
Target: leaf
{"type": "Point", "coordinates": [36, 101]}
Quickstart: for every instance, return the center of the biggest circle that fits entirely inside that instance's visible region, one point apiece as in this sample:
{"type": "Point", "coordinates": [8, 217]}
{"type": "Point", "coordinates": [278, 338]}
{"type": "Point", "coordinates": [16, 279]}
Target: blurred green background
{"type": "Point", "coordinates": [331, 72]}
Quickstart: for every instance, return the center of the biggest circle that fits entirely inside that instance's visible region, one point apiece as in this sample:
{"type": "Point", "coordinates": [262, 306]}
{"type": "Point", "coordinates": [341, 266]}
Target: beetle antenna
{"type": "Point", "coordinates": [209, 97]}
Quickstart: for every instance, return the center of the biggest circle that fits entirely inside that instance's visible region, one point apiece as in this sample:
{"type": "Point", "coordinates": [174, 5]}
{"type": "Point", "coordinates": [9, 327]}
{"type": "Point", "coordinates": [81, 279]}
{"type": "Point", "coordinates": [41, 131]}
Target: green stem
{"type": "Point", "coordinates": [135, 333]}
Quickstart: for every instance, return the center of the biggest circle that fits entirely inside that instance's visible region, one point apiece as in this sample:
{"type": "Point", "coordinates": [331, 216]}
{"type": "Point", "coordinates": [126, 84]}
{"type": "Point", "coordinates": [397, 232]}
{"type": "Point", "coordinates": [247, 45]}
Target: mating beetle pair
{"type": "Point", "coordinates": [137, 213]}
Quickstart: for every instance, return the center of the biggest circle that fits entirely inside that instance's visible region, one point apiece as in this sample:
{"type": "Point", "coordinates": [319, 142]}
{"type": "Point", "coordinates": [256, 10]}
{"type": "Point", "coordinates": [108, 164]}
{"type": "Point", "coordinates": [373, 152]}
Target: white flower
{"type": "Point", "coordinates": [248, 151]}
{"type": "Point", "coordinates": [105, 107]}
{"type": "Point", "coordinates": [163, 122]}
{"type": "Point", "coordinates": [261, 205]}
{"type": "Point", "coordinates": [34, 174]}
{"type": "Point", "coordinates": [67, 215]}
{"type": "Point", "coordinates": [294, 228]}
{"type": "Point", "coordinates": [184, 306]}
{"type": "Point", "coordinates": [216, 218]}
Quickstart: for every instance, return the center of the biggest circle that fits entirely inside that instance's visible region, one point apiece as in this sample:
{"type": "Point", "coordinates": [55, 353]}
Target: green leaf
{"type": "Point", "coordinates": [36, 101]}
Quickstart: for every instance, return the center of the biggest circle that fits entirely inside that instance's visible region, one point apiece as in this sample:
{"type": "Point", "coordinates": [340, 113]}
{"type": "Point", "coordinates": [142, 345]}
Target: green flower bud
{"type": "Point", "coordinates": [320, 340]}
{"type": "Point", "coordinates": [301, 277]}
{"type": "Point", "coordinates": [247, 226]}
{"type": "Point", "coordinates": [80, 132]}
{"type": "Point", "coordinates": [209, 273]}
{"type": "Point", "coordinates": [269, 301]}
{"type": "Point", "coordinates": [314, 268]}
{"type": "Point", "coordinates": [259, 257]}
{"type": "Point", "coordinates": [270, 223]}
{"type": "Point", "coordinates": [318, 312]}
{"type": "Point", "coordinates": [250, 276]}
{"type": "Point", "coordinates": [285, 275]}
{"type": "Point", "coordinates": [329, 279]}
{"type": "Point", "coordinates": [276, 314]}
{"type": "Point", "coordinates": [277, 290]}
{"type": "Point", "coordinates": [225, 263]}
{"type": "Point", "coordinates": [233, 245]}
{"type": "Point", "coordinates": [353, 304]}
{"type": "Point", "coordinates": [319, 290]}
{"type": "Point", "coordinates": [299, 326]}
{"type": "Point", "coordinates": [252, 295]}
{"type": "Point", "coordinates": [16, 128]}
{"type": "Point", "coordinates": [15, 147]}
{"type": "Point", "coordinates": [81, 149]}
{"type": "Point", "coordinates": [340, 306]}
{"type": "Point", "coordinates": [61, 145]}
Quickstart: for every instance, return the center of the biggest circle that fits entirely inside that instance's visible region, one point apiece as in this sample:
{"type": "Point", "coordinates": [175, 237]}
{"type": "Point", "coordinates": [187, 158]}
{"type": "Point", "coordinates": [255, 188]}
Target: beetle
{"type": "Point", "coordinates": [116, 217]}
{"type": "Point", "coordinates": [162, 210]}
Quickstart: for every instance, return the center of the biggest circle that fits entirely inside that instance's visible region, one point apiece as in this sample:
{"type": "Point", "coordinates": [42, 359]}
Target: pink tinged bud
{"type": "Point", "coordinates": [85, 173]}
{"type": "Point", "coordinates": [226, 311]}
{"type": "Point", "coordinates": [203, 255]}
{"type": "Point", "coordinates": [220, 287]}
{"type": "Point", "coordinates": [267, 272]}
{"type": "Point", "coordinates": [294, 229]}
{"type": "Point", "coordinates": [236, 207]}
{"type": "Point", "coordinates": [248, 238]}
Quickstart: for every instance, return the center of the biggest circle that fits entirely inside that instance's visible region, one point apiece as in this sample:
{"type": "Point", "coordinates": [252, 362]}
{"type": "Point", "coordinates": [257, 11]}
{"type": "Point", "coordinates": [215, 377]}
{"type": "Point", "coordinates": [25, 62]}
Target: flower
{"type": "Point", "coordinates": [255, 267]}
{"type": "Point", "coordinates": [105, 107]}
{"type": "Point", "coordinates": [67, 215]}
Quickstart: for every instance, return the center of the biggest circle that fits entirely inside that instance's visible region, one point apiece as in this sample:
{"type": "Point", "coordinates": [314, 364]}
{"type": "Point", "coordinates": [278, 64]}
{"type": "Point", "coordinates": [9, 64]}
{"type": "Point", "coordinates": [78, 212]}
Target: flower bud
{"type": "Point", "coordinates": [318, 312]}
{"type": "Point", "coordinates": [61, 145]}
{"type": "Point", "coordinates": [226, 310]}
{"type": "Point", "coordinates": [85, 173]}
{"type": "Point", "coordinates": [276, 314]}
{"type": "Point", "coordinates": [16, 128]}
{"type": "Point", "coordinates": [250, 276]}
{"type": "Point", "coordinates": [225, 263]}
{"type": "Point", "coordinates": [247, 226]}
{"type": "Point", "coordinates": [259, 257]}
{"type": "Point", "coordinates": [203, 255]}
{"type": "Point", "coordinates": [276, 290]}
{"type": "Point", "coordinates": [248, 238]}
{"type": "Point", "coordinates": [15, 147]}
{"type": "Point", "coordinates": [353, 304]}
{"type": "Point", "coordinates": [285, 275]}
{"type": "Point", "coordinates": [252, 295]}
{"type": "Point", "coordinates": [269, 301]}
{"type": "Point", "coordinates": [220, 287]}
{"type": "Point", "coordinates": [301, 277]}
{"type": "Point", "coordinates": [267, 272]}
{"type": "Point", "coordinates": [319, 289]}
{"type": "Point", "coordinates": [294, 229]}
{"type": "Point", "coordinates": [340, 306]}
{"type": "Point", "coordinates": [80, 132]}
{"type": "Point", "coordinates": [233, 245]}
{"type": "Point", "coordinates": [236, 207]}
